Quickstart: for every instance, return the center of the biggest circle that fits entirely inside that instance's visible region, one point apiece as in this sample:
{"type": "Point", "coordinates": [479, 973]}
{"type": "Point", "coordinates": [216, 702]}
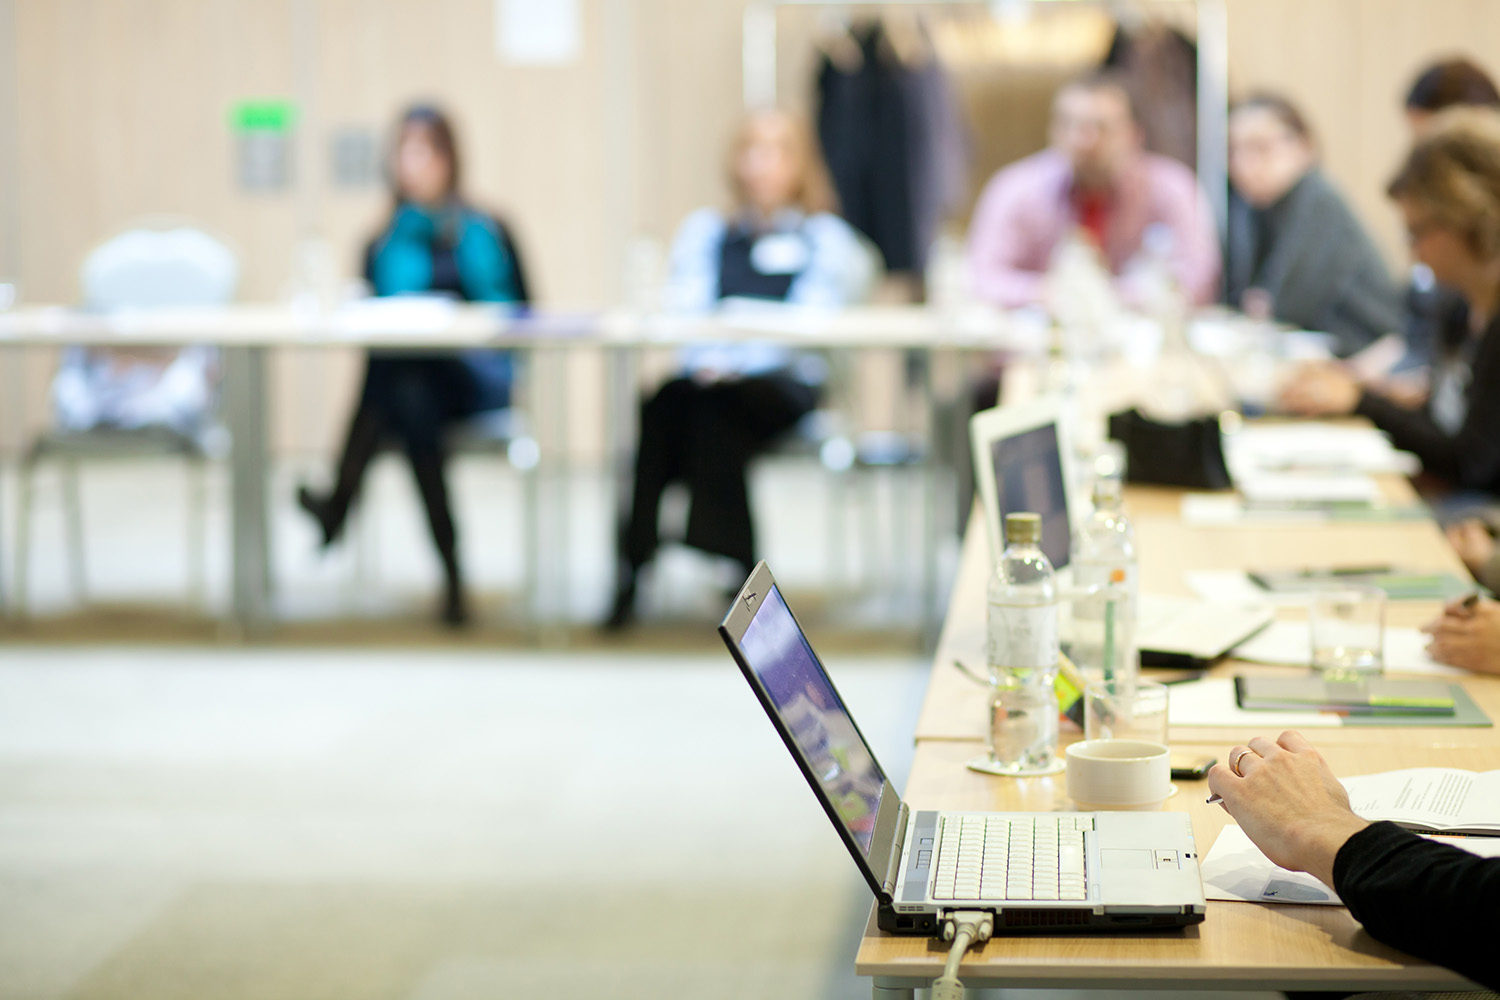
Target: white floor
{"type": "Point", "coordinates": [433, 825]}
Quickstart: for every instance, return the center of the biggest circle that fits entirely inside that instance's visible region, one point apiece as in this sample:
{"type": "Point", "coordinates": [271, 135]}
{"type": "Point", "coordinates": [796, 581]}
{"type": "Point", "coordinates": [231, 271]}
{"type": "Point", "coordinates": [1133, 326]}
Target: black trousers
{"type": "Point", "coordinates": [704, 435]}
{"type": "Point", "coordinates": [411, 399]}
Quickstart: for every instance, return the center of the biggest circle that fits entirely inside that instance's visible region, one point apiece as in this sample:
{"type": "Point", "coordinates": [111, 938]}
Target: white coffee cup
{"type": "Point", "coordinates": [1111, 774]}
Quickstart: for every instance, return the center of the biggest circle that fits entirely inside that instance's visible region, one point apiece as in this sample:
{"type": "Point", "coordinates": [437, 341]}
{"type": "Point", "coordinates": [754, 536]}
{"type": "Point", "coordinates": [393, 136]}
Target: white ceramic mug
{"type": "Point", "coordinates": [1118, 774]}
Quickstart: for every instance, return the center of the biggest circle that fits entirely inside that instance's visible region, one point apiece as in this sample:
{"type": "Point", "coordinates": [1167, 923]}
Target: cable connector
{"type": "Point", "coordinates": [964, 928]}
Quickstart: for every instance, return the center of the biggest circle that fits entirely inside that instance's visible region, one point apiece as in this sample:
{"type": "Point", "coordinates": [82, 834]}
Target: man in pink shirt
{"type": "Point", "coordinates": [1097, 180]}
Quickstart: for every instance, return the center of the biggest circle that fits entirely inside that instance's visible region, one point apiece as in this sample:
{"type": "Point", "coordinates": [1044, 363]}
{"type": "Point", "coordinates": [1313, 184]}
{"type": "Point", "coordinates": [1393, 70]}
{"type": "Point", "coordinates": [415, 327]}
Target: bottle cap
{"type": "Point", "coordinates": [1023, 528]}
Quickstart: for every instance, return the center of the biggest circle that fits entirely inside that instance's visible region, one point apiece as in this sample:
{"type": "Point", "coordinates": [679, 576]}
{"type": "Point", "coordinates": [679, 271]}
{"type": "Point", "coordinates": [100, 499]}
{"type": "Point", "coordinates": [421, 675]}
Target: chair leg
{"type": "Point", "coordinates": [73, 511]}
{"type": "Point", "coordinates": [197, 528]}
{"type": "Point", "coordinates": [25, 485]}
{"type": "Point", "coordinates": [531, 545]}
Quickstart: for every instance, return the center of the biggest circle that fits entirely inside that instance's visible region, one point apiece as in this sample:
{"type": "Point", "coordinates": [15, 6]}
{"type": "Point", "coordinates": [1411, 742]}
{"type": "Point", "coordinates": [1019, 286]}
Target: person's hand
{"type": "Point", "coordinates": [1322, 390]}
{"type": "Point", "coordinates": [1473, 543]}
{"type": "Point", "coordinates": [1287, 800]}
{"type": "Point", "coordinates": [1468, 638]}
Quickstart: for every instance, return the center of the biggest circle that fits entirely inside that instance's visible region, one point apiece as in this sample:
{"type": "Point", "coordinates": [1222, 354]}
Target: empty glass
{"type": "Point", "coordinates": [1347, 625]}
{"type": "Point", "coordinates": [1125, 709]}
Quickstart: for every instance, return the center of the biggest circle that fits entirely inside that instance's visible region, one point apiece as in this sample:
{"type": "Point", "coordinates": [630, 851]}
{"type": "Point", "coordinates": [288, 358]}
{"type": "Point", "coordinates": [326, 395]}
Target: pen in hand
{"type": "Point", "coordinates": [1214, 799]}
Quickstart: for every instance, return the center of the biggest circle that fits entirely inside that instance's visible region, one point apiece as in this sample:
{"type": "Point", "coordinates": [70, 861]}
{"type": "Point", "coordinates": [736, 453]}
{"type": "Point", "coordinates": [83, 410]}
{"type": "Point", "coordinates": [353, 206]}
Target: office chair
{"type": "Point", "coordinates": [143, 268]}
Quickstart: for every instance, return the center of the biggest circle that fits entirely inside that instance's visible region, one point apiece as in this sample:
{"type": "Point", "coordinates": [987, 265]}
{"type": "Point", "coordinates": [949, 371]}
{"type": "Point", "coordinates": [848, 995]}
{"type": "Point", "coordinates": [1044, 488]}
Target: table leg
{"type": "Point", "coordinates": [244, 412]}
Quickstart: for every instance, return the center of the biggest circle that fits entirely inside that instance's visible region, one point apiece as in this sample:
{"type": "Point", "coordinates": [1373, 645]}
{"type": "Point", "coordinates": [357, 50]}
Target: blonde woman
{"type": "Point", "coordinates": [1448, 192]}
{"type": "Point", "coordinates": [780, 242]}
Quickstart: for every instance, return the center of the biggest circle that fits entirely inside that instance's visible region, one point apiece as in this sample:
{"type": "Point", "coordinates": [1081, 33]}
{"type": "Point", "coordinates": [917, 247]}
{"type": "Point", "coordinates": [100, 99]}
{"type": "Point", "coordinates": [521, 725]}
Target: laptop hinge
{"type": "Point", "coordinates": [893, 869]}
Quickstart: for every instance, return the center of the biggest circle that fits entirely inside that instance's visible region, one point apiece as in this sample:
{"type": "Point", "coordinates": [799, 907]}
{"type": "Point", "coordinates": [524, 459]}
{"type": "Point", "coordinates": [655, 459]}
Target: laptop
{"type": "Point", "coordinates": [1019, 465]}
{"type": "Point", "coordinates": [1051, 872]}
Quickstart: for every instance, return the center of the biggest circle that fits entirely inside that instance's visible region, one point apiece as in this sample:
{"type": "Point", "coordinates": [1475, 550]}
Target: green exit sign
{"type": "Point", "coordinates": [262, 116]}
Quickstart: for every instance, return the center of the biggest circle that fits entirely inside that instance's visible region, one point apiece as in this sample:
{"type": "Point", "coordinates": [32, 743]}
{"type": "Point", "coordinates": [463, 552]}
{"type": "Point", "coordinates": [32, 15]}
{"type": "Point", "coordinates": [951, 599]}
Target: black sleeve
{"type": "Point", "coordinates": [1469, 459]}
{"type": "Point", "coordinates": [1430, 900]}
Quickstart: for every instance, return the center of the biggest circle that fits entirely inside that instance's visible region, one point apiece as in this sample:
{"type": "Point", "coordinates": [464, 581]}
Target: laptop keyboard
{"type": "Point", "coordinates": [1011, 857]}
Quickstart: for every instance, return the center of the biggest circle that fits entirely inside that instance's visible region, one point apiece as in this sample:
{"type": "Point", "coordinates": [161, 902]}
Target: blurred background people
{"type": "Point", "coordinates": [1448, 192]}
{"type": "Point", "coordinates": [1448, 83]}
{"type": "Point", "coordinates": [1095, 181]}
{"type": "Point", "coordinates": [1294, 251]}
{"type": "Point", "coordinates": [435, 243]}
{"type": "Point", "coordinates": [1445, 84]}
{"type": "Point", "coordinates": [779, 242]}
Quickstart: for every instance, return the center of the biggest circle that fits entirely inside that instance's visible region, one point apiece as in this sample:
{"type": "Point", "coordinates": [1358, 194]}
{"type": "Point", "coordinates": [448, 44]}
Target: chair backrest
{"type": "Point", "coordinates": [146, 268]}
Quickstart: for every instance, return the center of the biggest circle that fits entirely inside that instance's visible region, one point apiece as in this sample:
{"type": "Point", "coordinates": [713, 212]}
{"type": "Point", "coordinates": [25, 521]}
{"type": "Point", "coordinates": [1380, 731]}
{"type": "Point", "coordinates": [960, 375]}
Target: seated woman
{"type": "Point", "coordinates": [779, 242]}
{"type": "Point", "coordinates": [1449, 192]}
{"type": "Point", "coordinates": [434, 243]}
{"type": "Point", "coordinates": [1428, 899]}
{"type": "Point", "coordinates": [1295, 252]}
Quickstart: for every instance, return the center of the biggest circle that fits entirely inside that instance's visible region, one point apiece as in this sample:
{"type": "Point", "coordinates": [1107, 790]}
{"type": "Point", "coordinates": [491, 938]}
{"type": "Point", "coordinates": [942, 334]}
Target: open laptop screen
{"type": "Point", "coordinates": [812, 712]}
{"type": "Point", "coordinates": [1029, 476]}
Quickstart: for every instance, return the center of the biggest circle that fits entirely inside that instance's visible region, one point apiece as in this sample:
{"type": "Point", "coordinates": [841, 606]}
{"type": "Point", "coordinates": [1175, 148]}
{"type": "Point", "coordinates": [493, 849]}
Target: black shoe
{"type": "Point", "coordinates": [321, 511]}
{"type": "Point", "coordinates": [455, 608]}
{"type": "Point", "coordinates": [622, 612]}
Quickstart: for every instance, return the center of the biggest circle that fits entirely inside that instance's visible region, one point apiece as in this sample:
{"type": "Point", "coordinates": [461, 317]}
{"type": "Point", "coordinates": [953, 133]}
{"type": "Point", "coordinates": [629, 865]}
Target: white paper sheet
{"type": "Point", "coordinates": [1235, 869]}
{"type": "Point", "coordinates": [1435, 797]}
{"type": "Point", "coordinates": [1311, 445]}
{"type": "Point", "coordinates": [1259, 486]}
{"type": "Point", "coordinates": [1210, 702]}
{"type": "Point", "coordinates": [1234, 586]}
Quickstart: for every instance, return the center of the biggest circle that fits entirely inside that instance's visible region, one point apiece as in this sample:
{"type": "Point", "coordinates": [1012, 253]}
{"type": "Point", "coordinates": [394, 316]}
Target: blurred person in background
{"type": "Point", "coordinates": [780, 241]}
{"type": "Point", "coordinates": [434, 243]}
{"type": "Point", "coordinates": [1095, 181]}
{"type": "Point", "coordinates": [1448, 191]}
{"type": "Point", "coordinates": [1448, 83]}
{"type": "Point", "coordinates": [1294, 251]}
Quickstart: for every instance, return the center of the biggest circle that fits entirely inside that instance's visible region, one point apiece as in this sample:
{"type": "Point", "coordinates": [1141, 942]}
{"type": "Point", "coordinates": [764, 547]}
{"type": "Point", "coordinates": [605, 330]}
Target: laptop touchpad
{"type": "Point", "coordinates": [1120, 859]}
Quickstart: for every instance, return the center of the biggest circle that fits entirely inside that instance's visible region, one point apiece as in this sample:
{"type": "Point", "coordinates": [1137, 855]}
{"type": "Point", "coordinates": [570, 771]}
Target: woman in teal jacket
{"type": "Point", "coordinates": [434, 243]}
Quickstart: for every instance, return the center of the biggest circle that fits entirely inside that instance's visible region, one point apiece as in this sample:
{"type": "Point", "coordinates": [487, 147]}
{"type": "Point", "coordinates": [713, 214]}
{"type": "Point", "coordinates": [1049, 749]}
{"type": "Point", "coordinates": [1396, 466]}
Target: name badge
{"type": "Point", "coordinates": [781, 253]}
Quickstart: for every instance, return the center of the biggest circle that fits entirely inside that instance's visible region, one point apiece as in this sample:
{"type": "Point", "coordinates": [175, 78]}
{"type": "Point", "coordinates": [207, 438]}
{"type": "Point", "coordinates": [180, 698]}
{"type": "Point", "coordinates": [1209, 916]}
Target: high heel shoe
{"type": "Point", "coordinates": [321, 511]}
{"type": "Point", "coordinates": [622, 612]}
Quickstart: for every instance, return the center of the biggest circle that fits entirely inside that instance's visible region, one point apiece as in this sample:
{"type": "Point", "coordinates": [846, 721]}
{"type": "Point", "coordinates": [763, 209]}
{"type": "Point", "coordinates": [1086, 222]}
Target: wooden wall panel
{"type": "Point", "coordinates": [122, 104]}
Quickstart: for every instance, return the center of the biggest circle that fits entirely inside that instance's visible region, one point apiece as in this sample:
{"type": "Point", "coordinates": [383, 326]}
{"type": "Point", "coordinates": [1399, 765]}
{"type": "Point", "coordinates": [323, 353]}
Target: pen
{"type": "Point", "coordinates": [1214, 799]}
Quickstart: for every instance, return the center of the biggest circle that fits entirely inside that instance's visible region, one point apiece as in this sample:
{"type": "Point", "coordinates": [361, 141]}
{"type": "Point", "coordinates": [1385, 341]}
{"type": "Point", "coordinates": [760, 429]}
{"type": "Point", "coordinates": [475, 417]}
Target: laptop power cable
{"type": "Point", "coordinates": [965, 928]}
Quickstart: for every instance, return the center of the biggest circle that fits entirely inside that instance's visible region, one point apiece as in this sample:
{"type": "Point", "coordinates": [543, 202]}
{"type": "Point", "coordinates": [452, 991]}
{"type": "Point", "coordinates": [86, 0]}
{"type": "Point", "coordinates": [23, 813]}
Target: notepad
{"type": "Point", "coordinates": [1372, 696]}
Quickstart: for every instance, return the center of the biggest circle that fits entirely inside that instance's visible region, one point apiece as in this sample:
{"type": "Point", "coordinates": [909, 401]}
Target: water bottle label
{"type": "Point", "coordinates": [1023, 638]}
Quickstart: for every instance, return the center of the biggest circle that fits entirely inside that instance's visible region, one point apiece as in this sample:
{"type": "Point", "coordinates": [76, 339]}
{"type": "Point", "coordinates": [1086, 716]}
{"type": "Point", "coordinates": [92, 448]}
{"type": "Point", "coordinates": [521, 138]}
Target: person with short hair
{"type": "Point", "coordinates": [1095, 180]}
{"type": "Point", "coordinates": [1446, 84]}
{"type": "Point", "coordinates": [1294, 251]}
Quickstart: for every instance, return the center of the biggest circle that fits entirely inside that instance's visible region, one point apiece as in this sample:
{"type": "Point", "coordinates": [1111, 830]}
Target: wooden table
{"type": "Point", "coordinates": [1239, 945]}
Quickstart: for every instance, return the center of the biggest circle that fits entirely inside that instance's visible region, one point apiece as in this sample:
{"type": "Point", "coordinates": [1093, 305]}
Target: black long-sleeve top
{"type": "Point", "coordinates": [1469, 459]}
{"type": "Point", "coordinates": [1430, 900]}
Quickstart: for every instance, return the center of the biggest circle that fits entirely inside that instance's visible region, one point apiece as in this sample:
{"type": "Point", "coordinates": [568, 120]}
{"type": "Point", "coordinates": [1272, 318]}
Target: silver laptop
{"type": "Point", "coordinates": [1050, 872]}
{"type": "Point", "coordinates": [1018, 465]}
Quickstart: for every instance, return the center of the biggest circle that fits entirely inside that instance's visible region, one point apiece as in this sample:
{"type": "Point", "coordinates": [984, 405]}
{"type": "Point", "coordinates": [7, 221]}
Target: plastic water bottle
{"type": "Point", "coordinates": [1022, 653]}
{"type": "Point", "coordinates": [1106, 576]}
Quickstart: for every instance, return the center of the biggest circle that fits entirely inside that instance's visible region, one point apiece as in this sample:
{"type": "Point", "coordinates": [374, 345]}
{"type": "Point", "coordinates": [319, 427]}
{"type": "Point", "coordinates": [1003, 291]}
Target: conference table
{"type": "Point", "coordinates": [1240, 945]}
{"type": "Point", "coordinates": [246, 334]}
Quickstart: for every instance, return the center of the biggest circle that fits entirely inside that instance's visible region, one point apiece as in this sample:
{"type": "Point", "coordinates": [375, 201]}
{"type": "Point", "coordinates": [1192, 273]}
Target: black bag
{"type": "Point", "coordinates": [1188, 454]}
